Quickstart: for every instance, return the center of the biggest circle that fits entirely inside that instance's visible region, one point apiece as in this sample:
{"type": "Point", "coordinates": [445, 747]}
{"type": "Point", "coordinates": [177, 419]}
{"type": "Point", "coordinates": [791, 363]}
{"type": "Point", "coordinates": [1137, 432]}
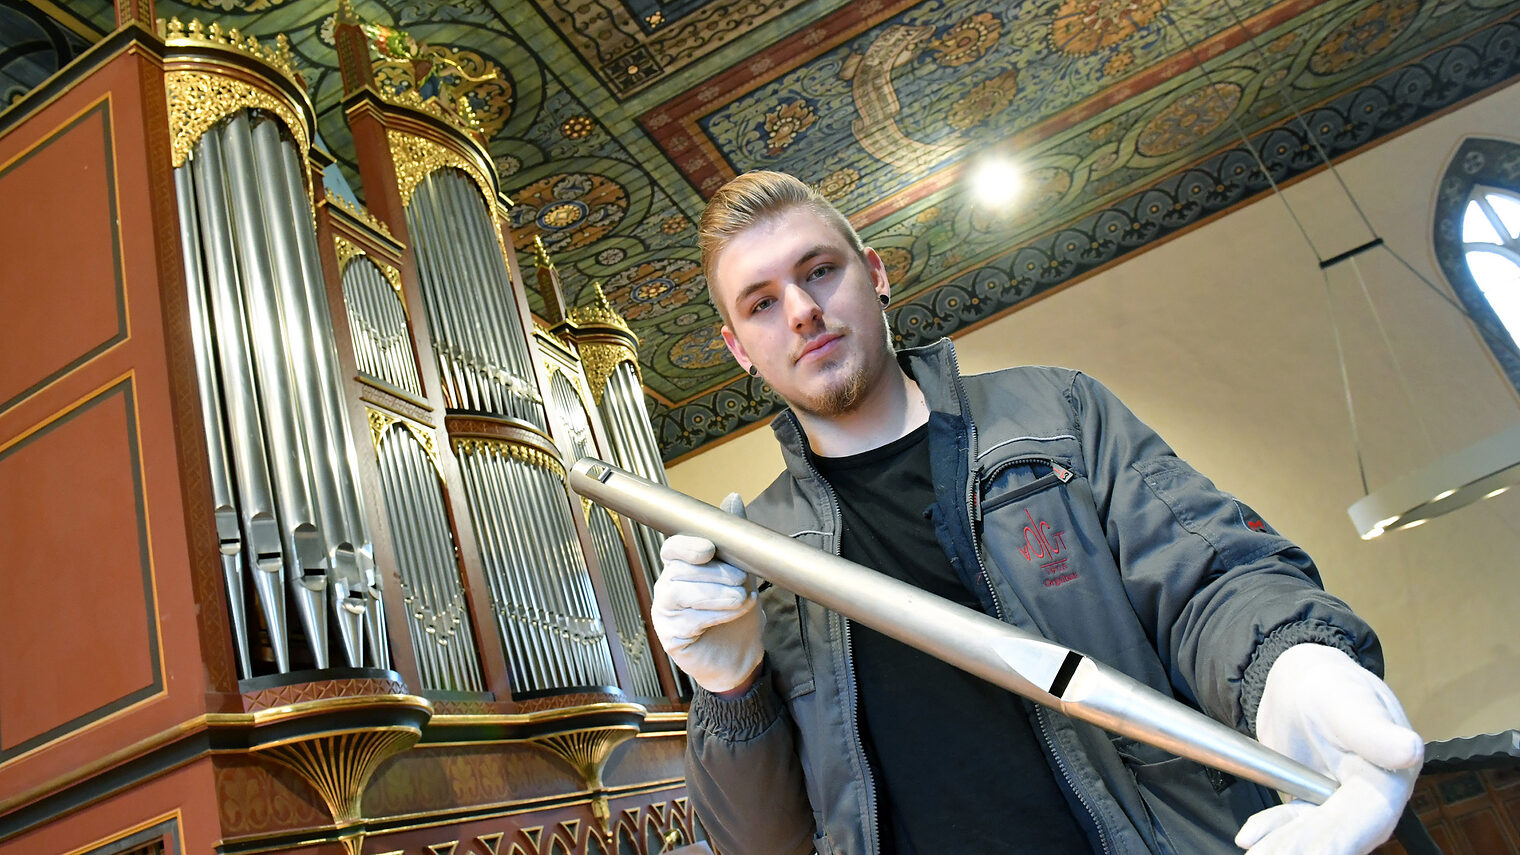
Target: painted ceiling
{"type": "Point", "coordinates": [611, 122]}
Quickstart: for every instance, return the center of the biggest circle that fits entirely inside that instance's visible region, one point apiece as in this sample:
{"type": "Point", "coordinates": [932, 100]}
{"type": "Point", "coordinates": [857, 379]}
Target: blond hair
{"type": "Point", "coordinates": [752, 198]}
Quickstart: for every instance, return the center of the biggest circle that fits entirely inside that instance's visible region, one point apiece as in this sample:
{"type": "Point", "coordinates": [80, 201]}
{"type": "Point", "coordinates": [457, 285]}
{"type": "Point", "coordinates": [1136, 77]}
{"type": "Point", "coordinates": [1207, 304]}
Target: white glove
{"type": "Point", "coordinates": [707, 613]}
{"type": "Point", "coordinates": [1324, 710]}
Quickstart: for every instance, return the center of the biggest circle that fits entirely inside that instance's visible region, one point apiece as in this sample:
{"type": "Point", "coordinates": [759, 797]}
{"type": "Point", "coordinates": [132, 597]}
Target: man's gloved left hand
{"type": "Point", "coordinates": [1324, 710]}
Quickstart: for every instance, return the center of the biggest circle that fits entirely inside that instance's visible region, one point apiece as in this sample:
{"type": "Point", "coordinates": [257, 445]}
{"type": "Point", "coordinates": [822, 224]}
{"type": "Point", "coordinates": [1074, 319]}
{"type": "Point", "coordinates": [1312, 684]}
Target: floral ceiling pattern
{"type": "Point", "coordinates": [611, 121]}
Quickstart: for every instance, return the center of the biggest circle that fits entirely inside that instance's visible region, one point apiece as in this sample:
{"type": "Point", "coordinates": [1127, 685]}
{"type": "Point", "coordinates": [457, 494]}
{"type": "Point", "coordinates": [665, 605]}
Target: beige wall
{"type": "Point", "coordinates": [1220, 339]}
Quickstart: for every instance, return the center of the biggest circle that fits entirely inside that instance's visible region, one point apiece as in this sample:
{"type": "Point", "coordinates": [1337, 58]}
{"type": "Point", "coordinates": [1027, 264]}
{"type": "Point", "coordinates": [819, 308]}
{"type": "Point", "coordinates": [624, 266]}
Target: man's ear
{"type": "Point", "coordinates": [734, 347]}
{"type": "Point", "coordinates": [878, 270]}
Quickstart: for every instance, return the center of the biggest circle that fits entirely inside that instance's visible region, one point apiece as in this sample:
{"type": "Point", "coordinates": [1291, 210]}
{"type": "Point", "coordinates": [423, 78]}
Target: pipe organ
{"type": "Point", "coordinates": [369, 593]}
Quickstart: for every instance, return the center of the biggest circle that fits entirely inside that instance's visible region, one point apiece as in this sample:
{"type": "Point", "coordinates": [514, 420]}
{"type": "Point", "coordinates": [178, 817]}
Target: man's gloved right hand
{"type": "Point", "coordinates": [707, 613]}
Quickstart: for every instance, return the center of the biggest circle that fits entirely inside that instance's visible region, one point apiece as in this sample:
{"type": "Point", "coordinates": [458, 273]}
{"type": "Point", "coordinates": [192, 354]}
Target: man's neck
{"type": "Point", "coordinates": [890, 411]}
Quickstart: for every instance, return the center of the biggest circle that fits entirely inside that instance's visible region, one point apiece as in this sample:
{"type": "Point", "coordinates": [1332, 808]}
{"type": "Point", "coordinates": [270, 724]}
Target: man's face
{"type": "Point", "coordinates": [804, 309]}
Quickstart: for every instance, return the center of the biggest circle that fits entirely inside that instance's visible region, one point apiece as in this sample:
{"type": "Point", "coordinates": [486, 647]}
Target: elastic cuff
{"type": "Point", "coordinates": [736, 719]}
{"type": "Point", "coordinates": [1254, 680]}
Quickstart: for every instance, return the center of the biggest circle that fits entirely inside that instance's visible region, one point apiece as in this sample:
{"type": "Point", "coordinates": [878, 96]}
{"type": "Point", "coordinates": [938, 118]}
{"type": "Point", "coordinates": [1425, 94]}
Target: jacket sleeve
{"type": "Point", "coordinates": [1220, 593]}
{"type": "Point", "coordinates": [743, 773]}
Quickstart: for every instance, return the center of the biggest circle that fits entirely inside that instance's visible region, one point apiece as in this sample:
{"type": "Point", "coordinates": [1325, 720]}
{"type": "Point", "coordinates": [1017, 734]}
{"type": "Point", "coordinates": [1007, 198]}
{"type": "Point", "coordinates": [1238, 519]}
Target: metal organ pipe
{"type": "Point", "coordinates": [475, 324]}
{"type": "Point", "coordinates": [429, 573]}
{"type": "Point", "coordinates": [258, 513]}
{"type": "Point", "coordinates": [632, 631]}
{"type": "Point", "coordinates": [379, 323]}
{"type": "Point", "coordinates": [251, 250]}
{"type": "Point", "coordinates": [228, 529]}
{"type": "Point", "coordinates": [571, 416]}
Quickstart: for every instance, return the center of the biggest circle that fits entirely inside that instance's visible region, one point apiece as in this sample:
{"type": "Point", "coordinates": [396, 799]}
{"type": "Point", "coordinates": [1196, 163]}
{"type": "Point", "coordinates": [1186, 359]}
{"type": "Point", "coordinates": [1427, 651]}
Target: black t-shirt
{"type": "Point", "coordinates": [956, 763]}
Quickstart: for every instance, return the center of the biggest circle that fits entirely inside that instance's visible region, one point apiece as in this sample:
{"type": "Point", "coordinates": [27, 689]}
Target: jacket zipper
{"type": "Point", "coordinates": [974, 518]}
{"type": "Point", "coordinates": [873, 826]}
{"type": "Point", "coordinates": [1039, 714]}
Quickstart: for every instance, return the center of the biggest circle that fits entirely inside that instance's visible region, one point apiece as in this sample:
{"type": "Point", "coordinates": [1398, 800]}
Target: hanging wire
{"type": "Point", "coordinates": [1287, 93]}
{"type": "Point", "coordinates": [1340, 350]}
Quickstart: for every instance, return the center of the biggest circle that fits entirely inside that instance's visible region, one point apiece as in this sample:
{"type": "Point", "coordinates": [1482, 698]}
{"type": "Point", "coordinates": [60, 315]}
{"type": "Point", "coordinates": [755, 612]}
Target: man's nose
{"type": "Point", "coordinates": [801, 309]}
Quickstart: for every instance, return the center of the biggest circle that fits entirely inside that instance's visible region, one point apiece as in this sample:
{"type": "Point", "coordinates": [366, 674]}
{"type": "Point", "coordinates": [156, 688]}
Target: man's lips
{"type": "Point", "coordinates": [820, 344]}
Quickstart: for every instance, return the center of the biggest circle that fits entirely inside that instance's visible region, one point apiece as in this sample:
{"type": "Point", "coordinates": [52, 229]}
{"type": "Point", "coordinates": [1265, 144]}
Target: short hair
{"type": "Point", "coordinates": [756, 196]}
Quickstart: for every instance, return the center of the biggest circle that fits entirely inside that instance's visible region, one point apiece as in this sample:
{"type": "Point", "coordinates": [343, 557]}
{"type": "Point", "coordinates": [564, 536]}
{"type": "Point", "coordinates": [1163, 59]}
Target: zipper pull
{"type": "Point", "coordinates": [1061, 472]}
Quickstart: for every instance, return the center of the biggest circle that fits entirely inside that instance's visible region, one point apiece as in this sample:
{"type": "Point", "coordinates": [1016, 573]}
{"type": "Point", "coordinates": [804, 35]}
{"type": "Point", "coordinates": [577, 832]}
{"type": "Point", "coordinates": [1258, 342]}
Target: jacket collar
{"type": "Point", "coordinates": [932, 366]}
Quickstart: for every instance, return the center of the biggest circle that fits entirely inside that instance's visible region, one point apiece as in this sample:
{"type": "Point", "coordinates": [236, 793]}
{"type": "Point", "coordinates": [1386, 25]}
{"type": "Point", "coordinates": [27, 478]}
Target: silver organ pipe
{"type": "Point", "coordinates": [632, 631]}
{"type": "Point", "coordinates": [431, 587]}
{"type": "Point", "coordinates": [382, 343]}
{"type": "Point", "coordinates": [271, 393]}
{"type": "Point", "coordinates": [483, 358]}
{"type": "Point", "coordinates": [633, 447]}
{"type": "Point", "coordinates": [570, 414]}
{"type": "Point", "coordinates": [540, 589]}
{"type": "Point", "coordinates": [631, 436]}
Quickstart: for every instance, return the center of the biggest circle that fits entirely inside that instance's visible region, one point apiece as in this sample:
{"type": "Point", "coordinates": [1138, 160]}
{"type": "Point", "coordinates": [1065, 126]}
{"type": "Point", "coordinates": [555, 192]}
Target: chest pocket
{"type": "Point", "coordinates": [1027, 521]}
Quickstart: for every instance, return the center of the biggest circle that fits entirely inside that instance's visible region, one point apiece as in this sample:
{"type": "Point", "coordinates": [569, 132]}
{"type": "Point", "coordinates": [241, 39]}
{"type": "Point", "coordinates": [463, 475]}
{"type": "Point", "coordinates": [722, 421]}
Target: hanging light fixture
{"type": "Point", "coordinates": [1483, 470]}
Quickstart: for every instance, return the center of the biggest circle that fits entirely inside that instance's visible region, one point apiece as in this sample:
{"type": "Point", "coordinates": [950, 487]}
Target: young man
{"type": "Point", "coordinates": [1033, 495]}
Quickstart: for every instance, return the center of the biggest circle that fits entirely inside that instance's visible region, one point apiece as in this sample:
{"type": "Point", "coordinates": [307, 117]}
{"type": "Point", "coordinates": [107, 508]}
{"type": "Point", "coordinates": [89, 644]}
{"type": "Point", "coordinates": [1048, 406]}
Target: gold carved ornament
{"type": "Point", "coordinates": [198, 100]}
{"type": "Point", "coordinates": [417, 158]}
{"type": "Point", "coordinates": [346, 252]}
{"type": "Point", "coordinates": [600, 359]}
{"type": "Point", "coordinates": [380, 423]}
{"type": "Point", "coordinates": [587, 752]}
{"type": "Point", "coordinates": [176, 33]}
{"type": "Point", "coordinates": [339, 765]}
{"type": "Point", "coordinates": [516, 451]}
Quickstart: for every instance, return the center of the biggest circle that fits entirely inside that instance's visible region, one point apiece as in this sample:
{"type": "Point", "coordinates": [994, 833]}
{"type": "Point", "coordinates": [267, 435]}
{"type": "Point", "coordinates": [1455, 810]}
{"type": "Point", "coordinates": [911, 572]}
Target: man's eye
{"type": "Point", "coordinates": [820, 271]}
{"type": "Point", "coordinates": [761, 305]}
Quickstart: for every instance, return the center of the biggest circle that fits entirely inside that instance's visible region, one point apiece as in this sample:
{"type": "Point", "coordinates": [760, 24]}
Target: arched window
{"type": "Point", "coordinates": [1491, 242]}
{"type": "Point", "coordinates": [1477, 242]}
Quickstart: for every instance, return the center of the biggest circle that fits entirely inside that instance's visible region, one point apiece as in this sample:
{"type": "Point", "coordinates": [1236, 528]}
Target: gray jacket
{"type": "Point", "coordinates": [1068, 517]}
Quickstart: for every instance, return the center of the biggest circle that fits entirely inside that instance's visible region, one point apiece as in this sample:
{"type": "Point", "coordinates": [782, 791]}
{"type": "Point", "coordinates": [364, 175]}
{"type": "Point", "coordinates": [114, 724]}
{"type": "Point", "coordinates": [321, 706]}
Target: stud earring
{"type": "Point", "coordinates": [884, 300]}
{"type": "Point", "coordinates": [753, 371]}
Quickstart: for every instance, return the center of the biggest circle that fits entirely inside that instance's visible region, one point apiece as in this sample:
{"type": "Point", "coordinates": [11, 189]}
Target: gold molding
{"type": "Point", "coordinates": [587, 751]}
{"type": "Point", "coordinates": [361, 214]}
{"type": "Point", "coordinates": [176, 33]}
{"type": "Point", "coordinates": [416, 158]}
{"type": "Point", "coordinates": [198, 100]}
{"type": "Point", "coordinates": [515, 450]}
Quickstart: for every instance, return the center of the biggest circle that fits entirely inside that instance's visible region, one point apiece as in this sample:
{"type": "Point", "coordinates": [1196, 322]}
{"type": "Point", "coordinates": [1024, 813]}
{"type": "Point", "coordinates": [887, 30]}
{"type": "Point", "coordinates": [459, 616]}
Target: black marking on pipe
{"type": "Point", "coordinates": [1063, 675]}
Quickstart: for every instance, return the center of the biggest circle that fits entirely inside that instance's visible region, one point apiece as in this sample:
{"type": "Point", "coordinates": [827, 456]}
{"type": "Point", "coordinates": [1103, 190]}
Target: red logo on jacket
{"type": "Point", "coordinates": [1045, 545]}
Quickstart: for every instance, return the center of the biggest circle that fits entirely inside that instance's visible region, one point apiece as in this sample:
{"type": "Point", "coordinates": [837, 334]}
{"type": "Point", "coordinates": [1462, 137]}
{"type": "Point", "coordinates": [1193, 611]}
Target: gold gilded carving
{"type": "Point", "coordinates": [175, 33]}
{"type": "Point", "coordinates": [443, 848]}
{"type": "Point", "coordinates": [198, 100]}
{"type": "Point", "coordinates": [346, 252]}
{"type": "Point", "coordinates": [598, 312]}
{"type": "Point", "coordinates": [361, 214]}
{"type": "Point", "coordinates": [587, 752]}
{"type": "Point", "coordinates": [417, 158]}
{"type": "Point", "coordinates": [379, 423]}
{"type": "Point", "coordinates": [339, 765]}
{"type": "Point", "coordinates": [429, 445]}
{"type": "Point", "coordinates": [599, 359]}
{"type": "Point", "coordinates": [492, 842]}
{"type": "Point", "coordinates": [517, 451]}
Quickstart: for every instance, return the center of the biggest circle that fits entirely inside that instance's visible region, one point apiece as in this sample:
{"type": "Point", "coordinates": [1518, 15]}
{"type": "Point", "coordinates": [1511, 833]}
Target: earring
{"type": "Point", "coordinates": [884, 300]}
{"type": "Point", "coordinates": [753, 371]}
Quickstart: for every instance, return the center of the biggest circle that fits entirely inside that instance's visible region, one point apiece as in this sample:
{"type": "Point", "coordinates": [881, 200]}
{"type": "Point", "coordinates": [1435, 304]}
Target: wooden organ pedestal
{"type": "Point", "coordinates": [290, 561]}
